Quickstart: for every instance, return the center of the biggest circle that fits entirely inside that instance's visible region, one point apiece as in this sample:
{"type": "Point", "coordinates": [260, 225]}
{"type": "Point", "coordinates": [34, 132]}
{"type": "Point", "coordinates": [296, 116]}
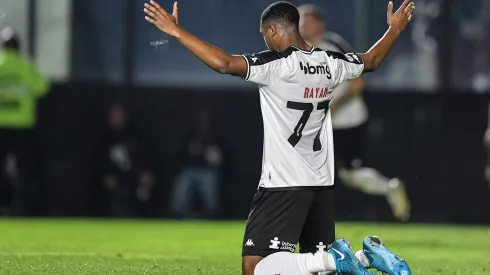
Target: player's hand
{"type": "Point", "coordinates": [402, 17]}
{"type": "Point", "coordinates": [166, 22]}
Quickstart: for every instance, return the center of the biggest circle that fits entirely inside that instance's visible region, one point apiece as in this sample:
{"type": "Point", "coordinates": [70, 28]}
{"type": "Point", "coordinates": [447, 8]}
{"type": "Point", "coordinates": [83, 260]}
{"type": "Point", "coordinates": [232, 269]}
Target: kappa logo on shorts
{"type": "Point", "coordinates": [321, 247]}
{"type": "Point", "coordinates": [275, 243]}
{"type": "Point", "coordinates": [249, 243]}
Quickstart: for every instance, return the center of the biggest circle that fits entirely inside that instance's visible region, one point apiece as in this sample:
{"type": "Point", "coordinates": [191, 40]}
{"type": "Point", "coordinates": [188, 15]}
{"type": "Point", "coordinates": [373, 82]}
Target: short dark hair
{"type": "Point", "coordinates": [312, 10]}
{"type": "Point", "coordinates": [281, 12]}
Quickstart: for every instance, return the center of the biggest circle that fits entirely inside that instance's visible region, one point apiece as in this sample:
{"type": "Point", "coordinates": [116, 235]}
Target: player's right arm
{"type": "Point", "coordinates": [397, 23]}
{"type": "Point", "coordinates": [213, 57]}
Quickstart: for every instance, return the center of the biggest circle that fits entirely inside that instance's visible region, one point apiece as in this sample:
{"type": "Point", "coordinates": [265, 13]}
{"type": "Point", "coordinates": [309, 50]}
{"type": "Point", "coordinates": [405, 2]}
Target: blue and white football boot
{"type": "Point", "coordinates": [345, 260]}
{"type": "Point", "coordinates": [382, 259]}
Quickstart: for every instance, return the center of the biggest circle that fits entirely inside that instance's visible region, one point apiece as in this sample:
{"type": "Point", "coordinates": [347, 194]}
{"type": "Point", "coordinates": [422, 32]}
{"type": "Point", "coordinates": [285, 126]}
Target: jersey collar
{"type": "Point", "coordinates": [303, 51]}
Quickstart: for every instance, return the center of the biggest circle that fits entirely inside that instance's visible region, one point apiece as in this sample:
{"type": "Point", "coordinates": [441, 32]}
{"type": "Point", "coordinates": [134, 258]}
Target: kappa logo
{"type": "Point", "coordinates": [254, 59]}
{"type": "Point", "coordinates": [321, 247]}
{"type": "Point", "coordinates": [353, 58]}
{"type": "Point", "coordinates": [275, 243]}
{"type": "Point", "coordinates": [249, 243]}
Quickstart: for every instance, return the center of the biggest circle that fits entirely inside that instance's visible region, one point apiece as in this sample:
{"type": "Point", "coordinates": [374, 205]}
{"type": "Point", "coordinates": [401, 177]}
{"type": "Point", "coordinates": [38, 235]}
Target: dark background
{"type": "Point", "coordinates": [432, 141]}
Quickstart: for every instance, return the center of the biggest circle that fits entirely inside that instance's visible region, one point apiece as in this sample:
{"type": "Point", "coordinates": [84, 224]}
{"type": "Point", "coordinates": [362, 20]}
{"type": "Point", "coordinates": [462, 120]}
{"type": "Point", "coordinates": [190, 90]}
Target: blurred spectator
{"type": "Point", "coordinates": [7, 179]}
{"type": "Point", "coordinates": [201, 166]}
{"type": "Point", "coordinates": [127, 177]}
{"type": "Point", "coordinates": [21, 85]}
{"type": "Point", "coordinates": [486, 142]}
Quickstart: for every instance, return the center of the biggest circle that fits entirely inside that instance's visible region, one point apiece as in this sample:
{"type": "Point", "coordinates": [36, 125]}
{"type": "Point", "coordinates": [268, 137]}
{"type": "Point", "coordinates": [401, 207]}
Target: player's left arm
{"type": "Point", "coordinates": [397, 23]}
{"type": "Point", "coordinates": [213, 57]}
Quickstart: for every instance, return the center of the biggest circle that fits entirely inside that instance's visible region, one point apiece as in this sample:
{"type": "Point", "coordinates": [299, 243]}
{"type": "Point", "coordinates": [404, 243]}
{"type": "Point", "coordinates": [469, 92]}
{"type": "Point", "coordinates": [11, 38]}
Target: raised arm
{"type": "Point", "coordinates": [397, 23]}
{"type": "Point", "coordinates": [213, 57]}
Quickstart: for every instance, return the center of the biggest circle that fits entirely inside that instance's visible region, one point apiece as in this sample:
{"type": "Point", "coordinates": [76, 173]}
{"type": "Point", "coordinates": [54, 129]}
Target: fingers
{"type": "Point", "coordinates": [175, 13]}
{"type": "Point", "coordinates": [390, 8]}
{"type": "Point", "coordinates": [151, 11]}
{"type": "Point", "coordinates": [404, 5]}
{"type": "Point", "coordinates": [158, 7]}
{"type": "Point", "coordinates": [149, 19]}
{"type": "Point", "coordinates": [408, 12]}
{"type": "Point", "coordinates": [409, 8]}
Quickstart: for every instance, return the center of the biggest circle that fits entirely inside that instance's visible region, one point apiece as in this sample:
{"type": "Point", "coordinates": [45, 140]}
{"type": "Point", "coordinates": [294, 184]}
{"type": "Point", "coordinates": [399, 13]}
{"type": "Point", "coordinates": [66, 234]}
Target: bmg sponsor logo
{"type": "Point", "coordinates": [318, 69]}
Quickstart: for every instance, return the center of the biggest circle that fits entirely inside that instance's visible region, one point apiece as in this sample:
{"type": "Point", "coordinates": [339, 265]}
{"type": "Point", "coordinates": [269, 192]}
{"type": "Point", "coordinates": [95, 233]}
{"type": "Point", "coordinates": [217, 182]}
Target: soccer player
{"type": "Point", "coordinates": [294, 202]}
{"type": "Point", "coordinates": [349, 121]}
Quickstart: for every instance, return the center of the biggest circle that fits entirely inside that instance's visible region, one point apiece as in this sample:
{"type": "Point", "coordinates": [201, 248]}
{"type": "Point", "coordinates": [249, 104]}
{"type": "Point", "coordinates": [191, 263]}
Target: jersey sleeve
{"type": "Point", "coordinates": [345, 66]}
{"type": "Point", "coordinates": [265, 67]}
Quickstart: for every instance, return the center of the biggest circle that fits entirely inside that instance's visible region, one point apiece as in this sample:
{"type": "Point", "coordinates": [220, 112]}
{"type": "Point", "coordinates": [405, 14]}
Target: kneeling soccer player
{"type": "Point", "coordinates": [294, 202]}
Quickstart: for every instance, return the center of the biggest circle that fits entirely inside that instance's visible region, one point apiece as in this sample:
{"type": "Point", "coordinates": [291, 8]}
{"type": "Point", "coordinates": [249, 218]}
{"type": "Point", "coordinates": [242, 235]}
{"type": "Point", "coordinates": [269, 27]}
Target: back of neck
{"type": "Point", "coordinates": [295, 41]}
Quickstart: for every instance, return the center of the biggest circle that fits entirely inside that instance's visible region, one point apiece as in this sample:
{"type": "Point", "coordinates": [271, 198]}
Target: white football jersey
{"type": "Point", "coordinates": [296, 87]}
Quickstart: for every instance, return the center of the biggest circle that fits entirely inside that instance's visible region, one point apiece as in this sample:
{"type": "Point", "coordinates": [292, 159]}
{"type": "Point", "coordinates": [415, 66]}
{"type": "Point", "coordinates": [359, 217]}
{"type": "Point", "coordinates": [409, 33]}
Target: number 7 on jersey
{"type": "Point", "coordinates": [307, 108]}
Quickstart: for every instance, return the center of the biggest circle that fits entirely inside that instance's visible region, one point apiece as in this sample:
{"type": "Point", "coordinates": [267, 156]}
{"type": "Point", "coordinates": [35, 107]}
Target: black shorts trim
{"type": "Point", "coordinates": [297, 188]}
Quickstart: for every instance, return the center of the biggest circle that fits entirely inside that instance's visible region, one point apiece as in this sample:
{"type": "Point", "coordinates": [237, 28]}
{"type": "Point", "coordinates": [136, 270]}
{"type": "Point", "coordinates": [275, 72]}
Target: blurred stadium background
{"type": "Point", "coordinates": [115, 130]}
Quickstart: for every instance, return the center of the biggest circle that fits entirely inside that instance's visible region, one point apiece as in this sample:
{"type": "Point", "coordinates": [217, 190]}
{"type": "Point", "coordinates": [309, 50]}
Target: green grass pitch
{"type": "Point", "coordinates": [167, 247]}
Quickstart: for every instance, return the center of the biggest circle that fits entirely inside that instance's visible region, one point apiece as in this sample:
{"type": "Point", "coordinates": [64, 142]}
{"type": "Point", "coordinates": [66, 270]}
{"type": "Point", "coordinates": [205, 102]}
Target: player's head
{"type": "Point", "coordinates": [9, 39]}
{"type": "Point", "coordinates": [311, 24]}
{"type": "Point", "coordinates": [278, 21]}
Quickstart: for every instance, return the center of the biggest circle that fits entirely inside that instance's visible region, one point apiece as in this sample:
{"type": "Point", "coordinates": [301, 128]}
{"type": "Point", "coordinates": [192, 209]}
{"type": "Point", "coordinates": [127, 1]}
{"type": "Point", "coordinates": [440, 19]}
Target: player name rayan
{"type": "Point", "coordinates": [316, 92]}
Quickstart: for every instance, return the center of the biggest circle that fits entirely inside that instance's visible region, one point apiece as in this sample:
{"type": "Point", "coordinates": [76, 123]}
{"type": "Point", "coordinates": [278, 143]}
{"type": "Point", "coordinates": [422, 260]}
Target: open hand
{"type": "Point", "coordinates": [166, 22]}
{"type": "Point", "coordinates": [400, 19]}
